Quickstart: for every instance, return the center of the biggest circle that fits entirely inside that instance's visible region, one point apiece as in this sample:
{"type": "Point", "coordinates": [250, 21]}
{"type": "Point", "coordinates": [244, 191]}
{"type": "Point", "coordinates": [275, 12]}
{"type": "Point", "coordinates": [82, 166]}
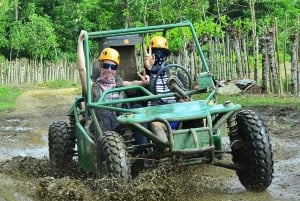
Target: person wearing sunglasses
{"type": "Point", "coordinates": [108, 64]}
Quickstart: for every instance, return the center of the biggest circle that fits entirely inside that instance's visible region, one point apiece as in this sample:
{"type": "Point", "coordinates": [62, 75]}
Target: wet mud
{"type": "Point", "coordinates": [25, 172]}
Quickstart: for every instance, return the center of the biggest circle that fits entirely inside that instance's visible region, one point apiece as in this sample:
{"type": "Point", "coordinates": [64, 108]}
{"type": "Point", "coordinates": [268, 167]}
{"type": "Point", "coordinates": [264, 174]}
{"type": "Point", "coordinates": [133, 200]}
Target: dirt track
{"type": "Point", "coordinates": [26, 175]}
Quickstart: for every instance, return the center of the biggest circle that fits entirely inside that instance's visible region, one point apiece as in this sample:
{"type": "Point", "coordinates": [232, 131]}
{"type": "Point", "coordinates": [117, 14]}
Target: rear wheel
{"type": "Point", "coordinates": [112, 157]}
{"type": "Point", "coordinates": [252, 151]}
{"type": "Point", "coordinates": [61, 144]}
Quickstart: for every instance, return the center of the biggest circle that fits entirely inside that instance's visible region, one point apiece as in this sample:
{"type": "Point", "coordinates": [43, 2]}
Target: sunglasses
{"type": "Point", "coordinates": [109, 66]}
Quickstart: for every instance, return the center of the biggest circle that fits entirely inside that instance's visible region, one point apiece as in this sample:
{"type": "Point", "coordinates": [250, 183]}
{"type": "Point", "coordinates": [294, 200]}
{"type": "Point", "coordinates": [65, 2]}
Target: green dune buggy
{"type": "Point", "coordinates": [198, 139]}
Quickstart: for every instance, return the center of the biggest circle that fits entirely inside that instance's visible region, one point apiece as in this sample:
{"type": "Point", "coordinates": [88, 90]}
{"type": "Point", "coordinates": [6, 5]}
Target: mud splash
{"type": "Point", "coordinates": [49, 184]}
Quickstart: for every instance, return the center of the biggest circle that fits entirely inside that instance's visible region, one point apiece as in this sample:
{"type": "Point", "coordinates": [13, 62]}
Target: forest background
{"type": "Point", "coordinates": [256, 39]}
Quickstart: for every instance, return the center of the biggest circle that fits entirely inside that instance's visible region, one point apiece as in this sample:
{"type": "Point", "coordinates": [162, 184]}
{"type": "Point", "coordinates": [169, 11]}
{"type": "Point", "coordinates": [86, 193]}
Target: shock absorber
{"type": "Point", "coordinates": [233, 130]}
{"type": "Point", "coordinates": [72, 131]}
{"type": "Point", "coordinates": [72, 126]}
{"type": "Point", "coordinates": [232, 126]}
{"type": "Point", "coordinates": [128, 139]}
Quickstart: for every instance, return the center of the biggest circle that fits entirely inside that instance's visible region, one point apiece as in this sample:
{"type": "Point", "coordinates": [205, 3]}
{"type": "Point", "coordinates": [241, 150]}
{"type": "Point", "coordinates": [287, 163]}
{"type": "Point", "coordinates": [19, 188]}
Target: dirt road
{"type": "Point", "coordinates": [25, 173]}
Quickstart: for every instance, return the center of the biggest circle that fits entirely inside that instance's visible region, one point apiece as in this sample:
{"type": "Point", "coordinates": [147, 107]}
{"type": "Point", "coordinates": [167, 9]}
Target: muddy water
{"type": "Point", "coordinates": [25, 173]}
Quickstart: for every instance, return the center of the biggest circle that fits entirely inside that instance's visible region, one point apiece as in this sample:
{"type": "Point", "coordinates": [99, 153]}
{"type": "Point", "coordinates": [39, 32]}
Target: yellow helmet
{"type": "Point", "coordinates": [159, 42]}
{"type": "Point", "coordinates": [110, 54]}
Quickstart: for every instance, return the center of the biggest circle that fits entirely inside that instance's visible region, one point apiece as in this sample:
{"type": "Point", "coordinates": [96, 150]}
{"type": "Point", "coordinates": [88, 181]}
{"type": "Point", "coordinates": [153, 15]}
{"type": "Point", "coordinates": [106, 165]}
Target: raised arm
{"type": "Point", "coordinates": [81, 61]}
{"type": "Point", "coordinates": [149, 58]}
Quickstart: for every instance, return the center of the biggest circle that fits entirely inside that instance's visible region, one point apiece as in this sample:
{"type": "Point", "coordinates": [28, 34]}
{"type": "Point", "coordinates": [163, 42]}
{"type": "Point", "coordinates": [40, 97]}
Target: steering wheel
{"type": "Point", "coordinates": [175, 77]}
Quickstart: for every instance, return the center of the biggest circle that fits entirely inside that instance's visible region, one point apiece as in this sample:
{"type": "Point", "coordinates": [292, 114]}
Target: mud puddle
{"type": "Point", "coordinates": [16, 134]}
{"type": "Point", "coordinates": [25, 172]}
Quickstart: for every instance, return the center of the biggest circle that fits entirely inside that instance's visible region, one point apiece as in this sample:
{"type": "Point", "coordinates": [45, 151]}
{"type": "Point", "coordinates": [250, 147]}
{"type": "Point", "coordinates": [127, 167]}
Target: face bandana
{"type": "Point", "coordinates": [107, 79]}
{"type": "Point", "coordinates": [160, 58]}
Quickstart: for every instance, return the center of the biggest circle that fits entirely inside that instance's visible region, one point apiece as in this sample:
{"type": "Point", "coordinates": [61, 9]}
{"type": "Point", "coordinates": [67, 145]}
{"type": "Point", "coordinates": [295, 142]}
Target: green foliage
{"type": "Point", "coordinates": [35, 38]}
{"type": "Point", "coordinates": [175, 38]}
{"type": "Point", "coordinates": [268, 9]}
{"type": "Point", "coordinates": [242, 25]}
{"type": "Point", "coordinates": [4, 23]}
{"type": "Point", "coordinates": [41, 31]}
{"type": "Point", "coordinates": [17, 37]}
{"type": "Point", "coordinates": [210, 28]}
{"type": "Point", "coordinates": [176, 44]}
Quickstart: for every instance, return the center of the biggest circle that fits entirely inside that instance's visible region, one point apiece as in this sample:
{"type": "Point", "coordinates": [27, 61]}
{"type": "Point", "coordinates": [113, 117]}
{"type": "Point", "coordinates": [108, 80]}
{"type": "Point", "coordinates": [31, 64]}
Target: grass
{"type": "Point", "coordinates": [248, 100]}
{"type": "Point", "coordinates": [261, 100]}
{"type": "Point", "coordinates": [6, 194]}
{"type": "Point", "coordinates": [59, 84]}
{"type": "Point", "coordinates": [8, 94]}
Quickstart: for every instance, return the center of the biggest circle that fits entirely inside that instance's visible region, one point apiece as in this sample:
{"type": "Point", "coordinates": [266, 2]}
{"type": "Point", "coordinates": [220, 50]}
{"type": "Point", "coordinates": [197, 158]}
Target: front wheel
{"type": "Point", "coordinates": [112, 157]}
{"type": "Point", "coordinates": [61, 144]}
{"type": "Point", "coordinates": [252, 151]}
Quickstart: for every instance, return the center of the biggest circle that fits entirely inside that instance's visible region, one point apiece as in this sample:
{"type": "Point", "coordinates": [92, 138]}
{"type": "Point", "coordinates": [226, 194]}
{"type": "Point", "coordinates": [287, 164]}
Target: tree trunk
{"type": "Point", "coordinates": [294, 62]}
{"type": "Point", "coordinates": [272, 61]}
{"type": "Point", "coordinates": [276, 42]}
{"type": "Point", "coordinates": [211, 56]}
{"type": "Point", "coordinates": [218, 62]}
{"type": "Point", "coordinates": [255, 57]}
{"type": "Point", "coordinates": [254, 37]}
{"type": "Point", "coordinates": [191, 66]}
{"type": "Point", "coordinates": [16, 10]}
{"type": "Point", "coordinates": [228, 54]}
{"type": "Point", "coordinates": [265, 65]}
{"type": "Point", "coordinates": [245, 56]}
{"type": "Point", "coordinates": [223, 61]}
{"type": "Point", "coordinates": [237, 50]}
{"type": "Point", "coordinates": [284, 56]}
